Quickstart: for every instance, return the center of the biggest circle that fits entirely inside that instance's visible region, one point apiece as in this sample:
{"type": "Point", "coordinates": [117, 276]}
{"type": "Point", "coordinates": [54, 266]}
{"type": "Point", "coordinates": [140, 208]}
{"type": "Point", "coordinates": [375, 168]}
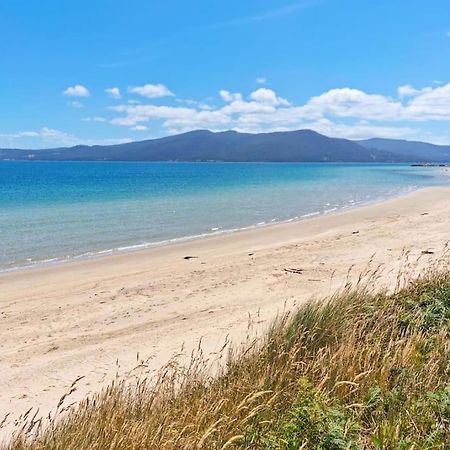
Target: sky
{"type": "Point", "coordinates": [109, 71]}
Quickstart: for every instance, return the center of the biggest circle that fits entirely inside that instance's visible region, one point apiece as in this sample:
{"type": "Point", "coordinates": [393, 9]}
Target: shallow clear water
{"type": "Point", "coordinates": [61, 210]}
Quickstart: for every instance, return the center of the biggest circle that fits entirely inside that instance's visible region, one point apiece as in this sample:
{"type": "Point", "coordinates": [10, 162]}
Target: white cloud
{"type": "Point", "coordinates": [261, 80]}
{"type": "Point", "coordinates": [194, 103]}
{"type": "Point", "coordinates": [417, 105]}
{"type": "Point", "coordinates": [113, 92]}
{"type": "Point", "coordinates": [20, 134]}
{"type": "Point", "coordinates": [430, 104]}
{"type": "Point", "coordinates": [93, 119]}
{"type": "Point", "coordinates": [151, 91]}
{"type": "Point", "coordinates": [172, 116]}
{"type": "Point", "coordinates": [360, 130]}
{"type": "Point", "coordinates": [269, 97]}
{"type": "Point", "coordinates": [243, 107]}
{"type": "Point", "coordinates": [49, 137]}
{"type": "Point", "coordinates": [187, 101]}
{"type": "Point", "coordinates": [230, 97]}
{"type": "Point", "coordinates": [346, 102]}
{"type": "Point", "coordinates": [76, 104]}
{"type": "Point", "coordinates": [52, 135]}
{"type": "Point", "coordinates": [236, 113]}
{"type": "Point", "coordinates": [407, 91]}
{"type": "Point", "coordinates": [343, 112]}
{"type": "Point", "coordinates": [77, 91]}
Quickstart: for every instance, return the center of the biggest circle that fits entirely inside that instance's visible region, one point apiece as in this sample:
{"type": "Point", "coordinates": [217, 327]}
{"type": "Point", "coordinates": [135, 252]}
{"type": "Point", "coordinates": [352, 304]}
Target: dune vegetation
{"type": "Point", "coordinates": [361, 370]}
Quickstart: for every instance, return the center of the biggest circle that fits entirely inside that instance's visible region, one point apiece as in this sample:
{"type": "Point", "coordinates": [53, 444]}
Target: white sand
{"type": "Point", "coordinates": [79, 318]}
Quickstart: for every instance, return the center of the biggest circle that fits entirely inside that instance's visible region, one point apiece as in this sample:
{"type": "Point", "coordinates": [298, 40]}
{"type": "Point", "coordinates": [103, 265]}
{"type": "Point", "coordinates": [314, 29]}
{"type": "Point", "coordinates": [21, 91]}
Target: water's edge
{"type": "Point", "coordinates": [169, 242]}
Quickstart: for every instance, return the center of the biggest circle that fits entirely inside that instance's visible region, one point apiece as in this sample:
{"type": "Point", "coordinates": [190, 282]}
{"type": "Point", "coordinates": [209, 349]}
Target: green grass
{"type": "Point", "coordinates": [357, 371]}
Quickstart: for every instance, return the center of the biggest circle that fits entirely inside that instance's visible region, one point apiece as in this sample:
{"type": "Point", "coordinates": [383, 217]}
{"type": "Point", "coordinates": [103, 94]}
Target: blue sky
{"type": "Point", "coordinates": [106, 71]}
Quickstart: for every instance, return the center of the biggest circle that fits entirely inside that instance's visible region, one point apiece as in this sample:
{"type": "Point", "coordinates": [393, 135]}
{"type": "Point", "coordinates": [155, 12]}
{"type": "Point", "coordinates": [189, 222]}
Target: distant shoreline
{"type": "Point", "coordinates": [103, 161]}
{"type": "Point", "coordinates": [303, 145]}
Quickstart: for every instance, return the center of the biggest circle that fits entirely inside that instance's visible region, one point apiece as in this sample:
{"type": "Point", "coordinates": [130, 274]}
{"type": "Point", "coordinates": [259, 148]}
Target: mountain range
{"type": "Point", "coordinates": [232, 146]}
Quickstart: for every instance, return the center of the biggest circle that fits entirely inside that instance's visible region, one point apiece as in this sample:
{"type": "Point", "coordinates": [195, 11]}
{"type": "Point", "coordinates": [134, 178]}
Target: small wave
{"type": "Point", "coordinates": [133, 247]}
{"type": "Point", "coordinates": [315, 213]}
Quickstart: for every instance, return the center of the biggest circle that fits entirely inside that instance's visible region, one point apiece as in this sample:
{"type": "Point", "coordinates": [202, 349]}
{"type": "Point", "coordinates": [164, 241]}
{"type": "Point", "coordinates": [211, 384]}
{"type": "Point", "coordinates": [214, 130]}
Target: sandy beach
{"type": "Point", "coordinates": [97, 318]}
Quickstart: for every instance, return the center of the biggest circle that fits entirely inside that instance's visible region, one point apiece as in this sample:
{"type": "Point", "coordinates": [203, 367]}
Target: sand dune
{"type": "Point", "coordinates": [96, 318]}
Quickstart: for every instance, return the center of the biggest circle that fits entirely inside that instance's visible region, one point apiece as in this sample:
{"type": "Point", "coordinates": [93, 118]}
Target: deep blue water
{"type": "Point", "coordinates": [61, 210]}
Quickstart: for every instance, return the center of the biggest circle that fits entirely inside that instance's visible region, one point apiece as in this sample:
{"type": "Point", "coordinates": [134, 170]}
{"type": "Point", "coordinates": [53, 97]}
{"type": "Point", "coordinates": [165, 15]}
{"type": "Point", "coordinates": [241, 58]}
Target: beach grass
{"type": "Point", "coordinates": [359, 370]}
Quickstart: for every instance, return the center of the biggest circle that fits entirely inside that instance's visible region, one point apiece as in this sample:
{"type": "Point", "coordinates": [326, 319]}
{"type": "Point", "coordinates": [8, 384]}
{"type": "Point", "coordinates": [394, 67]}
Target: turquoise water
{"type": "Point", "coordinates": [52, 211]}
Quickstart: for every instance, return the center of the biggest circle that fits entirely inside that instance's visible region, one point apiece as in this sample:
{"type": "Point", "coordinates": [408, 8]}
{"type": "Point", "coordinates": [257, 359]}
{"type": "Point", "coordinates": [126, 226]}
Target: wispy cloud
{"type": "Point", "coordinates": [76, 104]}
{"type": "Point", "coordinates": [50, 137]}
{"type": "Point", "coordinates": [94, 119]}
{"type": "Point", "coordinates": [139, 128]}
{"type": "Point", "coordinates": [126, 62]}
{"type": "Point", "coordinates": [269, 14]}
{"type": "Point", "coordinates": [113, 92]}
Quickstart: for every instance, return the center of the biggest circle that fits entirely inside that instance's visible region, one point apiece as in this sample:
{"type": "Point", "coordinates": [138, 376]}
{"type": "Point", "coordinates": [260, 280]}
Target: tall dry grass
{"type": "Point", "coordinates": [360, 370]}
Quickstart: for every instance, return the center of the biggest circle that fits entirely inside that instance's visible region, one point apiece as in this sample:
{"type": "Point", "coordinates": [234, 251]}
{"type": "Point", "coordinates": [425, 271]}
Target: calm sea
{"type": "Point", "coordinates": [54, 211]}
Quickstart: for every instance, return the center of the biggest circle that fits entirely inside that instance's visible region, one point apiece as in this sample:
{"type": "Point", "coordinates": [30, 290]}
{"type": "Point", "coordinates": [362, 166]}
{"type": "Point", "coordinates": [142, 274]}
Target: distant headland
{"type": "Point", "coordinates": [232, 146]}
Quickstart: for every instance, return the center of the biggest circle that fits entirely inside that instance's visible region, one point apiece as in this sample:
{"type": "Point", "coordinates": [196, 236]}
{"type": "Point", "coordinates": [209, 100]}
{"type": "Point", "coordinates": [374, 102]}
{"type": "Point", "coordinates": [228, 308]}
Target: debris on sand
{"type": "Point", "coordinates": [293, 270]}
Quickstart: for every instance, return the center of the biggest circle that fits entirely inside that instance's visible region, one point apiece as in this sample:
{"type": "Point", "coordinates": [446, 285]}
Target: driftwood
{"type": "Point", "coordinates": [293, 270]}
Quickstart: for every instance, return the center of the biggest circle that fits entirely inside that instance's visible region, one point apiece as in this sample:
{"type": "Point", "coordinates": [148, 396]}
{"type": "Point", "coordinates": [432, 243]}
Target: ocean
{"type": "Point", "coordinates": [58, 211]}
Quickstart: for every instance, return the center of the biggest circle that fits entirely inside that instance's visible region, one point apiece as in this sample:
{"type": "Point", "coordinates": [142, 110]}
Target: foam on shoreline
{"type": "Point", "coordinates": [352, 204]}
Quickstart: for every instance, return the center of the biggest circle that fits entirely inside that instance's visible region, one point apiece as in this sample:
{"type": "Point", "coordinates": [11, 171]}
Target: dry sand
{"type": "Point", "coordinates": [80, 318]}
